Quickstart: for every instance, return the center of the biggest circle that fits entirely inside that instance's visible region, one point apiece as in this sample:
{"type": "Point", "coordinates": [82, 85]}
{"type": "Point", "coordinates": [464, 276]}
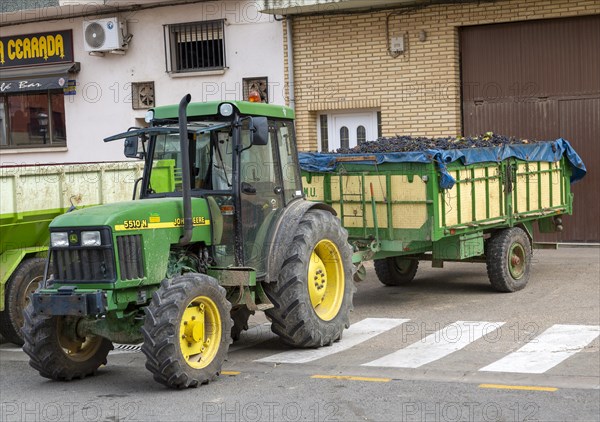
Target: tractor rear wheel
{"type": "Point", "coordinates": [395, 270]}
{"type": "Point", "coordinates": [312, 297]}
{"type": "Point", "coordinates": [22, 283]}
{"type": "Point", "coordinates": [187, 331]}
{"type": "Point", "coordinates": [508, 259]}
{"type": "Point", "coordinates": [56, 351]}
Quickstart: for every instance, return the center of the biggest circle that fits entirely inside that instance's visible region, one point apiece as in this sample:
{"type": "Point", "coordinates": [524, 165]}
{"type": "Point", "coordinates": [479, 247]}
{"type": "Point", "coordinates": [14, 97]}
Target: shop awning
{"type": "Point", "coordinates": [37, 78]}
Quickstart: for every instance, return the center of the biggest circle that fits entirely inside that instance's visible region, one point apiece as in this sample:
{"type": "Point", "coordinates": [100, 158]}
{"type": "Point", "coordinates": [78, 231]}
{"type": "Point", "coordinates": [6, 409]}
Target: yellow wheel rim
{"type": "Point", "coordinates": [326, 280]}
{"type": "Point", "coordinates": [200, 332]}
{"type": "Point", "coordinates": [78, 350]}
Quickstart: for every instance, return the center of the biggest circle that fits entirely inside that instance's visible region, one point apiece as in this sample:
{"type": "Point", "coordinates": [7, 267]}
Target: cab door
{"type": "Point", "coordinates": [262, 199]}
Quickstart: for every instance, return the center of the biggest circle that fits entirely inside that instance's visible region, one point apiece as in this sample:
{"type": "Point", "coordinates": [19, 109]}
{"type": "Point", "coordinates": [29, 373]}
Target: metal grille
{"type": "Point", "coordinates": [195, 46]}
{"type": "Point", "coordinates": [131, 261]}
{"type": "Point", "coordinates": [142, 95]}
{"type": "Point", "coordinates": [83, 265]}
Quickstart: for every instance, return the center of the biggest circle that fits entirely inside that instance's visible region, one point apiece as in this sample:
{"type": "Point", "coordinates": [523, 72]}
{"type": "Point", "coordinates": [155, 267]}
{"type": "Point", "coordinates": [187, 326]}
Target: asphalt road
{"type": "Point", "coordinates": [445, 348]}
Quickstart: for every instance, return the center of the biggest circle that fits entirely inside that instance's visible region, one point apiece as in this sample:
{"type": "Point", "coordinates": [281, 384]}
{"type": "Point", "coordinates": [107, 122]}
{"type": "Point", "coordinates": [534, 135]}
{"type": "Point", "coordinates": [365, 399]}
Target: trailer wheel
{"type": "Point", "coordinates": [508, 260]}
{"type": "Point", "coordinates": [240, 316]}
{"type": "Point", "coordinates": [23, 282]}
{"type": "Point", "coordinates": [312, 297]}
{"type": "Point", "coordinates": [396, 271]}
{"type": "Point", "coordinates": [56, 352]}
{"type": "Point", "coordinates": [187, 331]}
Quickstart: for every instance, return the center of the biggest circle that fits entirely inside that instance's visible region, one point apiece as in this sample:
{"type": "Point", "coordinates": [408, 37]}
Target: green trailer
{"type": "Point", "coordinates": [478, 205]}
{"type": "Point", "coordinates": [32, 196]}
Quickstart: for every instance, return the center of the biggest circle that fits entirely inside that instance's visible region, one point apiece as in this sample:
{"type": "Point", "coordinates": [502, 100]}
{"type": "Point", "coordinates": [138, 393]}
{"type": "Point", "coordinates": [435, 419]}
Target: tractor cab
{"type": "Point", "coordinates": [242, 159]}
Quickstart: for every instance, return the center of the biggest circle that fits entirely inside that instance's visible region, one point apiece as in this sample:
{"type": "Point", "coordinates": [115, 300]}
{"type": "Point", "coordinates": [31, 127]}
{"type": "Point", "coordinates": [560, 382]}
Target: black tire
{"type": "Point", "coordinates": [56, 354]}
{"type": "Point", "coordinates": [240, 316]}
{"type": "Point", "coordinates": [395, 270]}
{"type": "Point", "coordinates": [166, 325]}
{"type": "Point", "coordinates": [24, 281]}
{"type": "Point", "coordinates": [295, 319]}
{"type": "Point", "coordinates": [508, 259]}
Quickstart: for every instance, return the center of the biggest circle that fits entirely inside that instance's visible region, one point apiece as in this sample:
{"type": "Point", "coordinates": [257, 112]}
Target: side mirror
{"type": "Point", "coordinates": [259, 127]}
{"type": "Point", "coordinates": [131, 147]}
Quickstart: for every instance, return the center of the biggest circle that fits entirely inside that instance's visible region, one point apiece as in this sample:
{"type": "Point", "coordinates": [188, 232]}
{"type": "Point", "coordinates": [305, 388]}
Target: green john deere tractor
{"type": "Point", "coordinates": [220, 229]}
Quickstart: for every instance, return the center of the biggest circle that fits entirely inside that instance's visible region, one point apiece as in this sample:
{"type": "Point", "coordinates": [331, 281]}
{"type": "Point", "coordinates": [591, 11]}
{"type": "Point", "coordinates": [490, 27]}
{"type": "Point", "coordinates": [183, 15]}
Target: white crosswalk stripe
{"type": "Point", "coordinates": [547, 350]}
{"type": "Point", "coordinates": [356, 334]}
{"type": "Point", "coordinates": [440, 344]}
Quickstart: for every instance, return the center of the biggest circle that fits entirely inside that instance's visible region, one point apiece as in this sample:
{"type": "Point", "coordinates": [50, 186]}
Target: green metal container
{"type": "Point", "coordinates": [394, 209]}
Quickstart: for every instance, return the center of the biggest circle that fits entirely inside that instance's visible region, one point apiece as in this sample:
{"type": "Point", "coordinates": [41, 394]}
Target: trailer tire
{"type": "Point", "coordinates": [24, 281]}
{"type": "Point", "coordinates": [188, 320]}
{"type": "Point", "coordinates": [56, 355]}
{"type": "Point", "coordinates": [508, 259]}
{"type": "Point", "coordinates": [312, 297]}
{"type": "Point", "coordinates": [396, 271]}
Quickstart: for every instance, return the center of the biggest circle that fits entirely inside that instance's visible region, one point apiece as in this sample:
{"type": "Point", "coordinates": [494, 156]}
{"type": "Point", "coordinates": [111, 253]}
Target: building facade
{"type": "Point", "coordinates": [74, 72]}
{"type": "Point", "coordinates": [362, 70]}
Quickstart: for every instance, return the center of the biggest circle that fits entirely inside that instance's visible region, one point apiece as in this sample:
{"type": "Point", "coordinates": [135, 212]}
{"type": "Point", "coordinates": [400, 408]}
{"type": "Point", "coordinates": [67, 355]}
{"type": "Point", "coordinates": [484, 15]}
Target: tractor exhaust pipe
{"type": "Point", "coordinates": [188, 225]}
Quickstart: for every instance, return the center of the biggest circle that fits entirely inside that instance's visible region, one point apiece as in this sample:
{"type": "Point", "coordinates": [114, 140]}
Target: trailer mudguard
{"type": "Point", "coordinates": [11, 260]}
{"type": "Point", "coordinates": [285, 231]}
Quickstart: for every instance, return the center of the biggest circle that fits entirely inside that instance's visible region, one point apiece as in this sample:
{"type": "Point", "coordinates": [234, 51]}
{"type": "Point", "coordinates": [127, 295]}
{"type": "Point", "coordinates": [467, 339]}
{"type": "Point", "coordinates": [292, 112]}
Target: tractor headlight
{"type": "Point", "coordinates": [226, 109]}
{"type": "Point", "coordinates": [149, 116]}
{"type": "Point", "coordinates": [59, 239]}
{"type": "Point", "coordinates": [91, 238]}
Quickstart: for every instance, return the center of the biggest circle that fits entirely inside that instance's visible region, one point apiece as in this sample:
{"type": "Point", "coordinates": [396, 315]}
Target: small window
{"type": "Point", "coordinates": [324, 133]}
{"type": "Point", "coordinates": [344, 137]}
{"type": "Point", "coordinates": [35, 119]}
{"type": "Point", "coordinates": [195, 46]}
{"type": "Point", "coordinates": [361, 134]}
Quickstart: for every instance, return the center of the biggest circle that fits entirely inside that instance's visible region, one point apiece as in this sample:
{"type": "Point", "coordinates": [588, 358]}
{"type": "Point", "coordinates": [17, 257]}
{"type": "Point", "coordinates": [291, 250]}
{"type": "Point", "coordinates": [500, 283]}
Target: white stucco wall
{"type": "Point", "coordinates": [102, 105]}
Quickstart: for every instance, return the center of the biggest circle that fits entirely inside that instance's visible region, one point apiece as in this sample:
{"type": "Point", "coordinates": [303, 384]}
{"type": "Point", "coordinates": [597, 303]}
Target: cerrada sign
{"type": "Point", "coordinates": [35, 49]}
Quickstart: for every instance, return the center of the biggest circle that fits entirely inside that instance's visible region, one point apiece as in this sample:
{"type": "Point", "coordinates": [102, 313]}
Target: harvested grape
{"type": "Point", "coordinates": [409, 143]}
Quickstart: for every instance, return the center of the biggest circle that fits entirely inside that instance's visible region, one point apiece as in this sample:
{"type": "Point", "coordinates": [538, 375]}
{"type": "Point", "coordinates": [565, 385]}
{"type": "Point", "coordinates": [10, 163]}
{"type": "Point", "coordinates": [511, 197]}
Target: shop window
{"type": "Point", "coordinates": [35, 119]}
{"type": "Point", "coordinates": [195, 46]}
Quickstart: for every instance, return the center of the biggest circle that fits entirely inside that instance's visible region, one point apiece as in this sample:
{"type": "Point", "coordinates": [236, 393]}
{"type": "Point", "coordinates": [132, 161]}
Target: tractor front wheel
{"type": "Point", "coordinates": [187, 331]}
{"type": "Point", "coordinates": [312, 297]}
{"type": "Point", "coordinates": [56, 351]}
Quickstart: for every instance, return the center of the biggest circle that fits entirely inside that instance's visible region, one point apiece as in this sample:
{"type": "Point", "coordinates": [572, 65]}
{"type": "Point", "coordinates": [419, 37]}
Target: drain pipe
{"type": "Point", "coordinates": [290, 54]}
{"type": "Point", "coordinates": [185, 167]}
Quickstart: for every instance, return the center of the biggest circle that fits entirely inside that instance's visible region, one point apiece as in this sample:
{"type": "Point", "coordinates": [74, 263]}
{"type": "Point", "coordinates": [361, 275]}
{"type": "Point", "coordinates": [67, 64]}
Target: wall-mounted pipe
{"type": "Point", "coordinates": [290, 57]}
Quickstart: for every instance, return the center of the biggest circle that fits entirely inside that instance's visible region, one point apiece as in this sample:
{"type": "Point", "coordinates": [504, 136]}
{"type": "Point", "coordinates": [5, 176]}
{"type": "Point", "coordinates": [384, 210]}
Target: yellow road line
{"type": "Point", "coordinates": [517, 387]}
{"type": "Point", "coordinates": [351, 378]}
{"type": "Point", "coordinates": [230, 372]}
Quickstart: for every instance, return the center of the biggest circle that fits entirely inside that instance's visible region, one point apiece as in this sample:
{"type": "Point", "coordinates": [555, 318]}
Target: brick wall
{"type": "Point", "coordinates": [341, 62]}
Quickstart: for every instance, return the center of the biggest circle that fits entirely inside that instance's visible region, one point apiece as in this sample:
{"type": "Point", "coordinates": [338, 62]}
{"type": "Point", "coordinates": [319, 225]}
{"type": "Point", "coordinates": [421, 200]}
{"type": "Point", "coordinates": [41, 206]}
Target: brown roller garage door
{"type": "Point", "coordinates": [540, 80]}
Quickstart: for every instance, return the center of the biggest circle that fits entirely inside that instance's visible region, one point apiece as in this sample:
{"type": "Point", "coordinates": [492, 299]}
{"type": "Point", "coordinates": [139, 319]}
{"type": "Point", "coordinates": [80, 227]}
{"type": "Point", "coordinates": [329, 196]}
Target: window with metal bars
{"type": "Point", "coordinates": [195, 46]}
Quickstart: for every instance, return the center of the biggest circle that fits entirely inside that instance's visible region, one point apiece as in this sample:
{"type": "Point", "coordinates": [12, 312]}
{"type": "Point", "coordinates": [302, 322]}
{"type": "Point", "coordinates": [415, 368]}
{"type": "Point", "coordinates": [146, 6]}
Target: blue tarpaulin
{"type": "Point", "coordinates": [551, 152]}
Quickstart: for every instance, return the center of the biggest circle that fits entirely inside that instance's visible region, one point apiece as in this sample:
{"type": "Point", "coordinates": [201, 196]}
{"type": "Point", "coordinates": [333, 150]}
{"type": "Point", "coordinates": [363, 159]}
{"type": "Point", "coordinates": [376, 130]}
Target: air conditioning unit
{"type": "Point", "coordinates": [105, 34]}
